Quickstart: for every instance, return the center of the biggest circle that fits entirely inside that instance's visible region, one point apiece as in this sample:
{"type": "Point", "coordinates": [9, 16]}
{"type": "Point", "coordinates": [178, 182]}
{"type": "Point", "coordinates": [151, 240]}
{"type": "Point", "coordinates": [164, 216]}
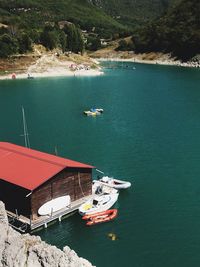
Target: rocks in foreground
{"type": "Point", "coordinates": [18, 250]}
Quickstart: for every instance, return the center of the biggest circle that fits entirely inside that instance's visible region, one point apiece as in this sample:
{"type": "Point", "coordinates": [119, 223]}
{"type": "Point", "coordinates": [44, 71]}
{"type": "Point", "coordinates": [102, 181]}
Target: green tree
{"type": "Point", "coordinates": [123, 45]}
{"type": "Point", "coordinates": [93, 43]}
{"type": "Point", "coordinates": [25, 43]}
{"type": "Point", "coordinates": [80, 41]}
{"type": "Point", "coordinates": [75, 41]}
{"type": "Point", "coordinates": [8, 45]}
{"type": "Point", "coordinates": [176, 32]}
{"type": "Point", "coordinates": [49, 38]}
{"type": "Point", "coordinates": [63, 40]}
{"type": "Point", "coordinates": [34, 35]}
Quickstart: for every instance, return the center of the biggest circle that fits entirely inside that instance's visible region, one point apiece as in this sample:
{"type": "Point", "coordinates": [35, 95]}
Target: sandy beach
{"type": "Point", "coordinates": [54, 72]}
{"type": "Point", "coordinates": [50, 65]}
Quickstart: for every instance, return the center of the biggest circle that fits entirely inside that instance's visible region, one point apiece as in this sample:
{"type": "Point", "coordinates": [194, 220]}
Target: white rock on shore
{"type": "Point", "coordinates": [18, 250]}
{"type": "Point", "coordinates": [153, 58]}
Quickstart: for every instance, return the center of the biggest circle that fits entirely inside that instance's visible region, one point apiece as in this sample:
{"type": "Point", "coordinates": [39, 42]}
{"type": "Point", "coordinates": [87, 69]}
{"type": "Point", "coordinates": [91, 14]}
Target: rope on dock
{"type": "Point", "coordinates": [79, 180]}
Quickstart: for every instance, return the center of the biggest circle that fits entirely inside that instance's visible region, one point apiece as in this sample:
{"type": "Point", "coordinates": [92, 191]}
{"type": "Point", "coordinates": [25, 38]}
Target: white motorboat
{"type": "Point", "coordinates": [93, 112]}
{"type": "Point", "coordinates": [115, 183]}
{"type": "Point", "coordinates": [100, 110]}
{"type": "Point", "coordinates": [54, 205]}
{"type": "Point", "coordinates": [98, 203]}
{"type": "Point", "coordinates": [100, 188]}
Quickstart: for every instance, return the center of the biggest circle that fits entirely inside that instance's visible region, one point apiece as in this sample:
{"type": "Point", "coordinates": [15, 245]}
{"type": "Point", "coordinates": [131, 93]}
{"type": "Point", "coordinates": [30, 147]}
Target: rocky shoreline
{"type": "Point", "coordinates": [18, 250]}
{"type": "Point", "coordinates": [167, 62]}
{"type": "Point", "coordinates": [108, 54]}
{"type": "Point", "coordinates": [159, 62]}
{"type": "Point", "coordinates": [50, 65]}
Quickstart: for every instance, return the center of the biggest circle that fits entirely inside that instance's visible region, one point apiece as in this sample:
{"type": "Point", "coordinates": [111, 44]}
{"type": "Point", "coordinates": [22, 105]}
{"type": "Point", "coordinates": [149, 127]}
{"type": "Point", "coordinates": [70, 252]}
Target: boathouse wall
{"type": "Point", "coordinates": [15, 198]}
{"type": "Point", "coordinates": [76, 182]}
{"type": "Point", "coordinates": [29, 178]}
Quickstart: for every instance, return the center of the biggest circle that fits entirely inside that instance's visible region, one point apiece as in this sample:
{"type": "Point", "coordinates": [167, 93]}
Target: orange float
{"type": "Point", "coordinates": [100, 217]}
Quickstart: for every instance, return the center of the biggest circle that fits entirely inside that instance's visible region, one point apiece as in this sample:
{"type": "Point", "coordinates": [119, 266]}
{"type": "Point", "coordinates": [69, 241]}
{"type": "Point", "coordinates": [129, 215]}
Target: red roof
{"type": "Point", "coordinates": [30, 168]}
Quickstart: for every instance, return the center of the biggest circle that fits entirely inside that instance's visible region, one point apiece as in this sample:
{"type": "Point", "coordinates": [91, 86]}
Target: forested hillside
{"type": "Point", "coordinates": [156, 25]}
{"type": "Point", "coordinates": [34, 13]}
{"type": "Point", "coordinates": [177, 32]}
{"type": "Point", "coordinates": [134, 12]}
{"type": "Point", "coordinates": [53, 24]}
{"type": "Point", "coordinates": [106, 15]}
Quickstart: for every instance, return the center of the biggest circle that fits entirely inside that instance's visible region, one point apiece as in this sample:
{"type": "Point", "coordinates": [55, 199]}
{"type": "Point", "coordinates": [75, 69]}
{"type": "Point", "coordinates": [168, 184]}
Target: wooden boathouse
{"type": "Point", "coordinates": [29, 178]}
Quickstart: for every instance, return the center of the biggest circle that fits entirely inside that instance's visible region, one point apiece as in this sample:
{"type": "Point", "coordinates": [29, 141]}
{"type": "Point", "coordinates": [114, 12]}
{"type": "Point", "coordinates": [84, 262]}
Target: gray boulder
{"type": "Point", "coordinates": [18, 250]}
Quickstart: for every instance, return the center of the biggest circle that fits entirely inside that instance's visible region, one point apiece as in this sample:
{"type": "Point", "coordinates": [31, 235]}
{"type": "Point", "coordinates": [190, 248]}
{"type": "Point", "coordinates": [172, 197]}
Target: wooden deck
{"type": "Point", "coordinates": [24, 224]}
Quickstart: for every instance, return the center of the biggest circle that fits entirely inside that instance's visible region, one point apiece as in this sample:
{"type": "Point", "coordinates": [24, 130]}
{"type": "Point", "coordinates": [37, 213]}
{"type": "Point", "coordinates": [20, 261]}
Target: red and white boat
{"type": "Point", "coordinates": [100, 217]}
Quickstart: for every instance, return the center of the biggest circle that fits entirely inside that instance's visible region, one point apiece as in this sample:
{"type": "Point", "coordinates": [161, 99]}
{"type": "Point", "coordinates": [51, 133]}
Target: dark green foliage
{"type": "Point", "coordinates": [3, 30]}
{"type": "Point", "coordinates": [24, 43]}
{"type": "Point", "coordinates": [35, 13]}
{"type": "Point", "coordinates": [74, 38]}
{"type": "Point", "coordinates": [177, 32]}
{"type": "Point", "coordinates": [49, 38]}
{"type": "Point", "coordinates": [122, 45]}
{"type": "Point", "coordinates": [93, 43]}
{"type": "Point", "coordinates": [8, 45]}
{"type": "Point", "coordinates": [125, 45]}
{"type": "Point", "coordinates": [34, 35]}
{"type": "Point", "coordinates": [63, 40]}
{"type": "Point", "coordinates": [134, 12]}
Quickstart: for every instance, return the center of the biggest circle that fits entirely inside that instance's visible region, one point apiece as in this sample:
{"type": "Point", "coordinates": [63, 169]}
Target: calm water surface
{"type": "Point", "coordinates": [149, 134]}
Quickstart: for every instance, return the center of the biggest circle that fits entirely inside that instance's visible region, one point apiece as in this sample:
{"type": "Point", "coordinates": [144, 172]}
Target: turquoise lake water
{"type": "Point", "coordinates": [148, 134]}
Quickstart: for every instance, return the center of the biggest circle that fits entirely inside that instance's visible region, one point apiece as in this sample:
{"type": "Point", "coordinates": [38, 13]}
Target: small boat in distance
{"type": "Point", "coordinates": [98, 203]}
{"type": "Point", "coordinates": [93, 112]}
{"type": "Point", "coordinates": [100, 110]}
{"type": "Point", "coordinates": [29, 76]}
{"type": "Point", "coordinates": [14, 76]}
{"type": "Point", "coordinates": [115, 183]}
{"type": "Point", "coordinates": [100, 217]}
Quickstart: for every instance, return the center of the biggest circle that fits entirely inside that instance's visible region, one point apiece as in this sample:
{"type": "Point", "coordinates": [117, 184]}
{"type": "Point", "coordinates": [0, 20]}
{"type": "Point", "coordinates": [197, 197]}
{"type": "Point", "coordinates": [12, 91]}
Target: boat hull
{"type": "Point", "coordinates": [115, 183]}
{"type": "Point", "coordinates": [93, 112]}
{"type": "Point", "coordinates": [54, 205]}
{"type": "Point", "coordinates": [100, 217]}
{"type": "Point", "coordinates": [104, 203]}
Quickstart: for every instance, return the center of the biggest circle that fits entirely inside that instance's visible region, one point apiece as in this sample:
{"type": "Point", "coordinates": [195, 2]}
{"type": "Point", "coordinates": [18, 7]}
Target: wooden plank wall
{"type": "Point", "coordinates": [74, 182]}
{"type": "Point", "coordinates": [39, 197]}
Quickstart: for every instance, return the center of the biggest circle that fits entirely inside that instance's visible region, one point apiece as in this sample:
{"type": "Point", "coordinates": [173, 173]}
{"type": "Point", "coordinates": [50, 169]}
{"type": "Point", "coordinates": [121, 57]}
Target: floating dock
{"type": "Point", "coordinates": [31, 178]}
{"type": "Point", "coordinates": [24, 224]}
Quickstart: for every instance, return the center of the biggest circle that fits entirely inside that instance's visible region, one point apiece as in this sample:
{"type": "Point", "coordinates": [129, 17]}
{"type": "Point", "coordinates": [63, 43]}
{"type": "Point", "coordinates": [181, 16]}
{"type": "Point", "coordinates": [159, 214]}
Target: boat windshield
{"type": "Point", "coordinates": [105, 179]}
{"type": "Point", "coordinates": [95, 202]}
